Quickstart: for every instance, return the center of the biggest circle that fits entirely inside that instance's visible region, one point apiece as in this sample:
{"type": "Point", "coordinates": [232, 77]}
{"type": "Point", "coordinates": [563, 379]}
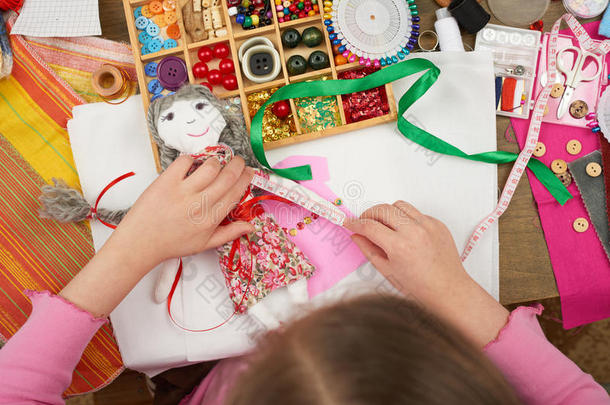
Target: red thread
{"type": "Point", "coordinates": [245, 211]}
{"type": "Point", "coordinates": [93, 212]}
{"type": "Point", "coordinates": [14, 5]}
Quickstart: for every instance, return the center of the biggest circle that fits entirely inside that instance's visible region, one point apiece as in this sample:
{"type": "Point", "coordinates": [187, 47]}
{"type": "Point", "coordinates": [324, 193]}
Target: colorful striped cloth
{"type": "Point", "coordinates": [39, 254]}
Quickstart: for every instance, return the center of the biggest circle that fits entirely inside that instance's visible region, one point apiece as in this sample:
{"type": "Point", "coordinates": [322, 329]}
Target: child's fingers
{"type": "Point", "coordinates": [374, 231]}
{"type": "Point", "coordinates": [227, 233]}
{"type": "Point", "coordinates": [204, 175]}
{"type": "Point", "coordinates": [372, 252]}
{"type": "Point", "coordinates": [389, 215]}
{"type": "Point", "coordinates": [179, 167]}
{"type": "Point", "coordinates": [226, 180]}
{"type": "Point", "coordinates": [408, 209]}
{"type": "Point", "coordinates": [231, 198]}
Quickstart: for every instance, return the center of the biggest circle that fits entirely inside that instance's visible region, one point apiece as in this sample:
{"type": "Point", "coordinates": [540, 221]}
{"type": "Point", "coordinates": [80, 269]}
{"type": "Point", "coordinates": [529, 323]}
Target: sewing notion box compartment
{"type": "Point", "coordinates": [520, 66]}
{"type": "Point", "coordinates": [246, 58]}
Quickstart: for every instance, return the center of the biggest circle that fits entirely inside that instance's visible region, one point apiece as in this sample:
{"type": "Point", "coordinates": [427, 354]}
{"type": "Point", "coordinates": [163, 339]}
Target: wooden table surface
{"type": "Point", "coordinates": [525, 268]}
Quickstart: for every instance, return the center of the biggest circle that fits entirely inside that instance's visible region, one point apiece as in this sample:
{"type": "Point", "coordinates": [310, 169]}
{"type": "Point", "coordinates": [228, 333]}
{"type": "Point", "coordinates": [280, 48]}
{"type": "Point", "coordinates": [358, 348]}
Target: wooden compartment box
{"type": "Point", "coordinates": [186, 49]}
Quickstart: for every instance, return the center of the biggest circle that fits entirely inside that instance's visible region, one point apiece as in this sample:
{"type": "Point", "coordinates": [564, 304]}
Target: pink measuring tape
{"type": "Point", "coordinates": [534, 128]}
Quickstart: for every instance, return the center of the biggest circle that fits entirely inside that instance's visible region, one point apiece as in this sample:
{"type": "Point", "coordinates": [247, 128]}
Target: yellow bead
{"type": "Point", "coordinates": [280, 14]}
{"type": "Point", "coordinates": [278, 2]}
{"type": "Point", "coordinates": [328, 4]}
{"type": "Point", "coordinates": [255, 19]}
{"type": "Point", "coordinates": [311, 13]}
{"type": "Point", "coordinates": [328, 9]}
{"type": "Point", "coordinates": [292, 232]}
{"type": "Point", "coordinates": [327, 16]}
{"type": "Point", "coordinates": [307, 220]}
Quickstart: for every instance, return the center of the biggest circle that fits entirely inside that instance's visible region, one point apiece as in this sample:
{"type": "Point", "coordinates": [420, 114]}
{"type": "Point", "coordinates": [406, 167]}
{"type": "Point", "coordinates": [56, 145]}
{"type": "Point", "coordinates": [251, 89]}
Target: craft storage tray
{"type": "Point", "coordinates": [186, 49]}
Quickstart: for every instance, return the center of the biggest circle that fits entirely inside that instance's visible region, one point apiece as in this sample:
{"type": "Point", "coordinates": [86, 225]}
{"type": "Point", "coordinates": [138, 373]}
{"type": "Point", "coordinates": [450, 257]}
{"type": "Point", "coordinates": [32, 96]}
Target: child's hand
{"type": "Point", "coordinates": [179, 216]}
{"type": "Point", "coordinates": [417, 254]}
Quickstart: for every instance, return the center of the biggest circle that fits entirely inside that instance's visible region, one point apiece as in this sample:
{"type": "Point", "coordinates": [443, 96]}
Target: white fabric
{"type": "Point", "coordinates": [367, 166]}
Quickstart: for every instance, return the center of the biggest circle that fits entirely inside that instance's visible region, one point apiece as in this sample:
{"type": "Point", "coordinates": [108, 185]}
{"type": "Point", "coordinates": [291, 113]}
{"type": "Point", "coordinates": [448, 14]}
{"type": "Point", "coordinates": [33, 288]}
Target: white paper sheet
{"type": "Point", "coordinates": [58, 18]}
{"type": "Point", "coordinates": [368, 166]}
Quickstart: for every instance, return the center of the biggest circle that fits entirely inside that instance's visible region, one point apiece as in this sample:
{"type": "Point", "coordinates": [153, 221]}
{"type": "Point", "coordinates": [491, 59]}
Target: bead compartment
{"type": "Point", "coordinates": [187, 49]}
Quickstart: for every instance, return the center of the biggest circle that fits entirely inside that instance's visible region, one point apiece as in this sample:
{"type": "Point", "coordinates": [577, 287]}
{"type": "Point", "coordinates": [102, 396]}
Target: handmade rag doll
{"type": "Point", "coordinates": [193, 121]}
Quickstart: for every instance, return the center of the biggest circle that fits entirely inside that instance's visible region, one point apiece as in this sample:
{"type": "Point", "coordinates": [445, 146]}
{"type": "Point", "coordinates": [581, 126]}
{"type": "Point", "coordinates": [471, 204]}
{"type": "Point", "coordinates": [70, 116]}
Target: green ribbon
{"type": "Point", "coordinates": [408, 130]}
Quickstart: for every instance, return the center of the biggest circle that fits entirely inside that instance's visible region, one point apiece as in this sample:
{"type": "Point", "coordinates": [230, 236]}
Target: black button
{"type": "Point", "coordinates": [261, 63]}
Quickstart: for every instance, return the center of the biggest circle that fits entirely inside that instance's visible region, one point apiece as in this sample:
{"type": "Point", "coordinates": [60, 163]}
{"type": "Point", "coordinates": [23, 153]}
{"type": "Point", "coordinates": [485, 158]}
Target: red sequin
{"type": "Point", "coordinates": [366, 104]}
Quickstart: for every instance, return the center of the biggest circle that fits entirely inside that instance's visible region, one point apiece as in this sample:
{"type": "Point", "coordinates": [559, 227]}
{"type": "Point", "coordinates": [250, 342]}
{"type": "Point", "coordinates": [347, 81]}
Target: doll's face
{"type": "Point", "coordinates": [189, 126]}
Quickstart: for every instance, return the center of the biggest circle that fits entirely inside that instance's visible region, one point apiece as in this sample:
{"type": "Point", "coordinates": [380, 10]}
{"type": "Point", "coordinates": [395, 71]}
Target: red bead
{"type": "Point", "coordinates": [208, 85]}
{"type": "Point", "coordinates": [226, 66]}
{"type": "Point", "coordinates": [314, 215]}
{"type": "Point", "coordinates": [537, 26]}
{"type": "Point", "coordinates": [229, 81]}
{"type": "Point", "coordinates": [302, 14]}
{"type": "Point", "coordinates": [205, 54]}
{"type": "Point", "coordinates": [200, 70]}
{"type": "Point", "coordinates": [292, 8]}
{"type": "Point", "coordinates": [300, 225]}
{"type": "Point", "coordinates": [281, 109]}
{"type": "Point", "coordinates": [214, 76]}
{"type": "Point", "coordinates": [221, 51]}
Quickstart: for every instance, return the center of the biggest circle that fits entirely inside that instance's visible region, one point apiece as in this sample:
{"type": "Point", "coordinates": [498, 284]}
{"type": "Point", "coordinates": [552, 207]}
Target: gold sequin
{"type": "Point", "coordinates": [274, 128]}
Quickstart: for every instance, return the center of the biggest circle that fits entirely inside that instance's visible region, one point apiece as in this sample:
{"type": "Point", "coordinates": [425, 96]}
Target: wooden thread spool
{"type": "Point", "coordinates": [110, 83]}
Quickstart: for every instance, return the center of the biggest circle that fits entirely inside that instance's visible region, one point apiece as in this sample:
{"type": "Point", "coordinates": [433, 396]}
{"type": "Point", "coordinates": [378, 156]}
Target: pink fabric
{"type": "Point", "coordinates": [581, 267]}
{"type": "Point", "coordinates": [328, 247]}
{"type": "Point", "coordinates": [36, 364]}
{"type": "Point", "coordinates": [539, 372]}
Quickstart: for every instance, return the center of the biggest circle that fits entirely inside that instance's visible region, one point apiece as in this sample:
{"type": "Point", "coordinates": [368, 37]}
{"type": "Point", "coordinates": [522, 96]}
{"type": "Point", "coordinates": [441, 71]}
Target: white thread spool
{"type": "Point", "coordinates": [448, 32]}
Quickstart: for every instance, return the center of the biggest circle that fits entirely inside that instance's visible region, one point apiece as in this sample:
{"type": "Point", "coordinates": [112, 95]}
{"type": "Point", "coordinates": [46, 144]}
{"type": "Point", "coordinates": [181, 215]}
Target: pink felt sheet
{"type": "Point", "coordinates": [328, 246]}
{"type": "Point", "coordinates": [581, 267]}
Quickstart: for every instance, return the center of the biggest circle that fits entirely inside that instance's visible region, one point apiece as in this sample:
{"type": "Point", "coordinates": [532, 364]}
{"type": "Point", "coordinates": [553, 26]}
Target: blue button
{"type": "Point", "coordinates": [137, 12]}
{"type": "Point", "coordinates": [156, 96]}
{"type": "Point", "coordinates": [151, 69]}
{"type": "Point", "coordinates": [144, 37]}
{"type": "Point", "coordinates": [154, 86]}
{"type": "Point", "coordinates": [153, 29]}
{"type": "Point", "coordinates": [142, 22]}
{"type": "Point", "coordinates": [144, 50]}
{"type": "Point", "coordinates": [154, 45]}
{"type": "Point", "coordinates": [170, 43]}
{"type": "Point", "coordinates": [159, 37]}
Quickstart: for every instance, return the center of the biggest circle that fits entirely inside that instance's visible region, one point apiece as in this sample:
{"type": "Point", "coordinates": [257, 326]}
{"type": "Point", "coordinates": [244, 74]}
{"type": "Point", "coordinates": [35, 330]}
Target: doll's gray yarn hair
{"type": "Point", "coordinates": [65, 204]}
{"type": "Point", "coordinates": [234, 134]}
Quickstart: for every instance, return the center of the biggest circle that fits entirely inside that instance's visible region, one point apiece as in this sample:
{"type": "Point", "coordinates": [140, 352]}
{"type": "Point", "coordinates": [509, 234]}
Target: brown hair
{"type": "Point", "coordinates": [371, 350]}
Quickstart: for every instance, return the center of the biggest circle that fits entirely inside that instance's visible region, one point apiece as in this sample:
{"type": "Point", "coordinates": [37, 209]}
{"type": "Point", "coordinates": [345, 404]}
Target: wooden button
{"type": "Point", "coordinates": [539, 150]}
{"type": "Point", "coordinates": [573, 147]}
{"type": "Point", "coordinates": [557, 90]}
{"type": "Point", "coordinates": [580, 224]}
{"type": "Point", "coordinates": [593, 169]}
{"type": "Point", "coordinates": [578, 109]}
{"type": "Point", "coordinates": [559, 166]}
{"type": "Point", "coordinates": [565, 178]}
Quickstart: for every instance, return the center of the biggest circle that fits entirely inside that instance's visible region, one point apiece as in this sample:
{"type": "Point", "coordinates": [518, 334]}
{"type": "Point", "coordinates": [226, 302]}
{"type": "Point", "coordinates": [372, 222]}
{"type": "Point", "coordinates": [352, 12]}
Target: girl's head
{"type": "Point", "coordinates": [192, 119]}
{"type": "Point", "coordinates": [372, 350]}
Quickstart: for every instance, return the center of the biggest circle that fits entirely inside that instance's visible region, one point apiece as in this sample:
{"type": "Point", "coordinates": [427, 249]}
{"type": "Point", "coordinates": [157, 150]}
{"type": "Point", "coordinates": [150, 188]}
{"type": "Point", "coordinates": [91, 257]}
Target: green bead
{"type": "Point", "coordinates": [296, 65]}
{"type": "Point", "coordinates": [293, 16]}
{"type": "Point", "coordinates": [301, 5]}
{"type": "Point", "coordinates": [413, 6]}
{"type": "Point", "coordinates": [312, 37]}
{"type": "Point", "coordinates": [318, 60]}
{"type": "Point", "coordinates": [291, 38]}
{"type": "Point", "coordinates": [247, 22]}
{"type": "Point", "coordinates": [414, 12]}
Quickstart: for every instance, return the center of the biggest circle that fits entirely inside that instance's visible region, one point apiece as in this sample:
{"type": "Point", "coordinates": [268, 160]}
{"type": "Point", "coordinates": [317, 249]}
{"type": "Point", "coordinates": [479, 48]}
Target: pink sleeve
{"type": "Point", "coordinates": [36, 364]}
{"type": "Point", "coordinates": [537, 370]}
